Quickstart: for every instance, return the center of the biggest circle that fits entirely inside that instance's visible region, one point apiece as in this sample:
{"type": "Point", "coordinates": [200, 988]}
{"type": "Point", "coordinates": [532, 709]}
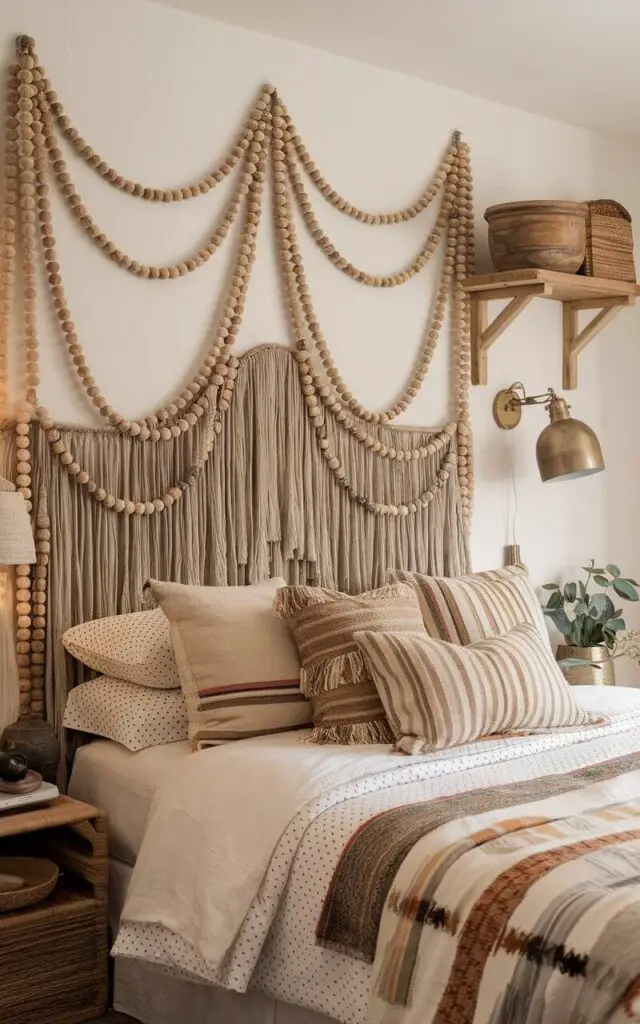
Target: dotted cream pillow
{"type": "Point", "coordinates": [135, 647]}
{"type": "Point", "coordinates": [135, 716]}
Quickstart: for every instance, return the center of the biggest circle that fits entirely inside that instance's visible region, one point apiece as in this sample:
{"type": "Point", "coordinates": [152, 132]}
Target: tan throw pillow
{"type": "Point", "coordinates": [438, 694]}
{"type": "Point", "coordinates": [464, 609]}
{"type": "Point", "coordinates": [134, 647]}
{"type": "Point", "coordinates": [238, 665]}
{"type": "Point", "coordinates": [135, 716]}
{"type": "Point", "coordinates": [346, 706]}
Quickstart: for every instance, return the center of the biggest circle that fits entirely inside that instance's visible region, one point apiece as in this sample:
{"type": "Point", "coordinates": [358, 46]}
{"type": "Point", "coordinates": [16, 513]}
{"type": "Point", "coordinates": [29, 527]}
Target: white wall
{"type": "Point", "coordinates": [160, 94]}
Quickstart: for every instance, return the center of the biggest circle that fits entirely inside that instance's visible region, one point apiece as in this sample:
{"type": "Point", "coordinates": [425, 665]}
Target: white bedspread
{"type": "Point", "coordinates": [235, 823]}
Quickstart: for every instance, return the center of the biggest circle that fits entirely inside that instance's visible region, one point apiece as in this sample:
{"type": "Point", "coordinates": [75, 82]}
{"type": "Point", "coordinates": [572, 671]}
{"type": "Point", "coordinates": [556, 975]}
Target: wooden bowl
{"type": "Point", "coordinates": [39, 877]}
{"type": "Point", "coordinates": [547, 235]}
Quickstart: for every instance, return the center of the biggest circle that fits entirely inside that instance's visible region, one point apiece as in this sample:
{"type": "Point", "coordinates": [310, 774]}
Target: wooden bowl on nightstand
{"type": "Point", "coordinates": [547, 235]}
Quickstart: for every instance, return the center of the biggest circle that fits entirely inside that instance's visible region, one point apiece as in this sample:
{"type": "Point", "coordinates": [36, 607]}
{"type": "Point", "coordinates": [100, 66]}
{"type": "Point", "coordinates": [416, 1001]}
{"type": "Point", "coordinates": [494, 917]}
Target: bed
{"type": "Point", "coordinates": [260, 881]}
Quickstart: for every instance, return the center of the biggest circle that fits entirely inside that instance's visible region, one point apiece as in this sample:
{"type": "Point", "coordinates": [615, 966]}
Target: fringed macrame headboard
{"type": "Point", "coordinates": [262, 464]}
{"type": "Point", "coordinates": [264, 503]}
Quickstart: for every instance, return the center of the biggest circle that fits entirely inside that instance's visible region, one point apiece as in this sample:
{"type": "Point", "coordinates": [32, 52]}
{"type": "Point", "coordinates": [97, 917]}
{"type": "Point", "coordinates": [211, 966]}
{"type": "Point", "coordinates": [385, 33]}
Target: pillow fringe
{"type": "Point", "coordinates": [324, 675]}
{"type": "Point", "coordinates": [352, 732]}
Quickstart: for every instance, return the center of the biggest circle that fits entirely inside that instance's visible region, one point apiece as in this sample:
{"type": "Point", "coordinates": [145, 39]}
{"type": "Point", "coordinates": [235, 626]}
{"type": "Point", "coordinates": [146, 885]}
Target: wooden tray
{"type": "Point", "coordinates": [40, 877]}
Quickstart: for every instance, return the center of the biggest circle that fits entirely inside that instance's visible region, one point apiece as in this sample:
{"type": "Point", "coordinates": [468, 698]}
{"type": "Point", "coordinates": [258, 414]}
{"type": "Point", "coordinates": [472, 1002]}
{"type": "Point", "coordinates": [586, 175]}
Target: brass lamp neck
{"type": "Point", "coordinates": [558, 409]}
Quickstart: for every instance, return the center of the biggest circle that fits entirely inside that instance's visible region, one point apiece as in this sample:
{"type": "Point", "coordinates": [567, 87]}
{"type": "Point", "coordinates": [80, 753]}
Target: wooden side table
{"type": "Point", "coordinates": [54, 955]}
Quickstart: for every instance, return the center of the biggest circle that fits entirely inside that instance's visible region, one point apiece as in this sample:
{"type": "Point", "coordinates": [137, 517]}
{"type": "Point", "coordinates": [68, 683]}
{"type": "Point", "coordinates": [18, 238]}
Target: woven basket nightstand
{"type": "Point", "coordinates": [54, 956]}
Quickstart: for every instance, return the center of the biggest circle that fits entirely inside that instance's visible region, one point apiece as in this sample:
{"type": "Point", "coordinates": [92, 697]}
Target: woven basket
{"type": "Point", "coordinates": [39, 879]}
{"type": "Point", "coordinates": [609, 251]}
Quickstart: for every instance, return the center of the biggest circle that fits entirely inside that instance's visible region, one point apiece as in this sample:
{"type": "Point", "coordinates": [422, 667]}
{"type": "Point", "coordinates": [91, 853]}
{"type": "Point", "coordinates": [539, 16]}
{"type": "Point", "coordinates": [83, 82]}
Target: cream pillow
{"type": "Point", "coordinates": [134, 647]}
{"type": "Point", "coordinates": [463, 609]}
{"type": "Point", "coordinates": [135, 716]}
{"type": "Point", "coordinates": [238, 665]}
{"type": "Point", "coordinates": [438, 694]}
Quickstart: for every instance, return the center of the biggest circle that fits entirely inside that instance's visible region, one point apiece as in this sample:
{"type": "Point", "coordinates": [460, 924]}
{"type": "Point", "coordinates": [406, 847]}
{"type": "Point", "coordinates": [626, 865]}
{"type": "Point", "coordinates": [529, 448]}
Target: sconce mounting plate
{"type": "Point", "coordinates": [506, 412]}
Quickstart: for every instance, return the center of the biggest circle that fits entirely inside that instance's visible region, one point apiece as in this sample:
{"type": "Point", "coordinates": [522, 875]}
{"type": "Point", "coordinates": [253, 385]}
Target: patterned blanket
{"type": "Point", "coordinates": [518, 904]}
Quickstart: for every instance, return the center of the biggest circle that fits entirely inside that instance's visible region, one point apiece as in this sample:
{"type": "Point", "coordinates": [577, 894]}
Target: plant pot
{"type": "Point", "coordinates": [591, 674]}
{"type": "Point", "coordinates": [541, 234]}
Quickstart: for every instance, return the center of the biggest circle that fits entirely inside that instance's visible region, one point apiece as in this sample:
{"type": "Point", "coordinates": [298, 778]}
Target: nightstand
{"type": "Point", "coordinates": [54, 955]}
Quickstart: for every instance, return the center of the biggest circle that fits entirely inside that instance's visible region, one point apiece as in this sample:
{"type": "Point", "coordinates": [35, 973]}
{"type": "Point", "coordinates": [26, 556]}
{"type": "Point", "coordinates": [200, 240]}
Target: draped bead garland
{"type": "Point", "coordinates": [34, 161]}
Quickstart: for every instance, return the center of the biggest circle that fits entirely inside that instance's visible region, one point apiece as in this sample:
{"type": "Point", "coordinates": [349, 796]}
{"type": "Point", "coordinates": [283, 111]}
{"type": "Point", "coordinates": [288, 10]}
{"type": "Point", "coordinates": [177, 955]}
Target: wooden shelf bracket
{"type": "Point", "coordinates": [575, 340]}
{"type": "Point", "coordinates": [483, 333]}
{"type": "Point", "coordinates": [576, 293]}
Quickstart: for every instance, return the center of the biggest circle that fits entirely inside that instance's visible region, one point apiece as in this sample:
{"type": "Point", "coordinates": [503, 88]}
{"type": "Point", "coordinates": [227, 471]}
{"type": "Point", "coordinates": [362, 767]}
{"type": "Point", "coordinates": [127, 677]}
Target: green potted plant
{"type": "Point", "coordinates": [590, 623]}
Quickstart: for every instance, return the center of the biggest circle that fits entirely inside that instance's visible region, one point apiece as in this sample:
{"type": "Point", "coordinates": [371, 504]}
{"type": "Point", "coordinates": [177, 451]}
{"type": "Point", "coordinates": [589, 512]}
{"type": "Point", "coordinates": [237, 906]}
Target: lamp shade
{"type": "Point", "coordinates": [16, 536]}
{"type": "Point", "coordinates": [567, 448]}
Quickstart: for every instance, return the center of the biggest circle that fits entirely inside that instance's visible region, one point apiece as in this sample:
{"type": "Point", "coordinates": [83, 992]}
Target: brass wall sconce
{"type": "Point", "coordinates": [567, 448]}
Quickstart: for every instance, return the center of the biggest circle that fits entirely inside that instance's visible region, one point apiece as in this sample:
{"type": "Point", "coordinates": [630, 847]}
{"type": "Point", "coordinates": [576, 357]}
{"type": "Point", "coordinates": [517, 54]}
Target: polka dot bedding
{"type": "Point", "coordinates": [135, 647]}
{"type": "Point", "coordinates": [275, 949]}
{"type": "Point", "coordinates": [135, 716]}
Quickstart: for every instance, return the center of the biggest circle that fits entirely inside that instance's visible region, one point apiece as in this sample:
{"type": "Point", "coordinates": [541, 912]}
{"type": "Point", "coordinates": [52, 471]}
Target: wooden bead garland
{"type": "Point", "coordinates": [215, 381]}
{"type": "Point", "coordinates": [182, 413]}
{"type": "Point", "coordinates": [340, 261]}
{"type": "Point", "coordinates": [135, 189]}
{"type": "Point", "coordinates": [39, 602]}
{"type": "Point", "coordinates": [9, 230]}
{"type": "Point", "coordinates": [171, 271]}
{"type": "Point", "coordinates": [23, 454]}
{"type": "Point", "coordinates": [315, 393]}
{"type": "Point", "coordinates": [350, 209]}
{"type": "Point", "coordinates": [461, 236]}
{"type": "Point", "coordinates": [334, 400]}
{"type": "Point", "coordinates": [214, 405]}
{"type": "Point", "coordinates": [19, 206]}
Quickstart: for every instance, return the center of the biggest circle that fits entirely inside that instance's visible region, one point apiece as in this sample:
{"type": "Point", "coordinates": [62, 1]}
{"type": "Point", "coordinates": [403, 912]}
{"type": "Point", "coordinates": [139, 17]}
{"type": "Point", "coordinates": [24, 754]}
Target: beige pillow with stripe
{"type": "Point", "coordinates": [238, 665]}
{"type": "Point", "coordinates": [438, 694]}
{"type": "Point", "coordinates": [464, 609]}
{"type": "Point", "coordinates": [346, 706]}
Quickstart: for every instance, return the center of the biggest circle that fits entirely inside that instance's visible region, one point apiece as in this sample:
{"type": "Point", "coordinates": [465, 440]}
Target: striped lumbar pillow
{"type": "Point", "coordinates": [464, 609]}
{"type": "Point", "coordinates": [346, 706]}
{"type": "Point", "coordinates": [238, 667]}
{"type": "Point", "coordinates": [438, 694]}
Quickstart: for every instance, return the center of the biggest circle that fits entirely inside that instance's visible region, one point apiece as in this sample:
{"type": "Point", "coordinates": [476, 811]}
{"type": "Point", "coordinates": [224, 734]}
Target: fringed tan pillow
{"type": "Point", "coordinates": [334, 676]}
{"type": "Point", "coordinates": [464, 609]}
{"type": "Point", "coordinates": [238, 665]}
{"type": "Point", "coordinates": [438, 694]}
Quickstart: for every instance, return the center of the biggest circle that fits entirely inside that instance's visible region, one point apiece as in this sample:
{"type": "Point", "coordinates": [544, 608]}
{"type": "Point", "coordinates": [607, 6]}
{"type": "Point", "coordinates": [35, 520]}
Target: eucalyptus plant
{"type": "Point", "coordinates": [587, 618]}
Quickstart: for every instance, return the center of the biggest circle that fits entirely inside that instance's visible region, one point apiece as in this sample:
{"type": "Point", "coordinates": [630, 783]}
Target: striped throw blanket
{"type": "Point", "coordinates": [518, 904]}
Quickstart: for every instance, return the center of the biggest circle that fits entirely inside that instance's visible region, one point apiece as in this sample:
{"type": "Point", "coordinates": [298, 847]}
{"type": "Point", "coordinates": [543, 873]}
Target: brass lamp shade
{"type": "Point", "coordinates": [567, 448]}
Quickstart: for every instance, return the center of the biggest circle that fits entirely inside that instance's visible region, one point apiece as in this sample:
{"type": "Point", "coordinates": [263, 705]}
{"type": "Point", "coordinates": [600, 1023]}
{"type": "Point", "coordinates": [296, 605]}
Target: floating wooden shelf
{"type": "Point", "coordinates": [521, 287]}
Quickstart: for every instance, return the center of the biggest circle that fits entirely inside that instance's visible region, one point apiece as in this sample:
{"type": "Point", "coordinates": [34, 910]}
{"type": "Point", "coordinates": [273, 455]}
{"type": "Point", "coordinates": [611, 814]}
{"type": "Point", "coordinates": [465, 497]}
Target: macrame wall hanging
{"type": "Point", "coordinates": [345, 493]}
